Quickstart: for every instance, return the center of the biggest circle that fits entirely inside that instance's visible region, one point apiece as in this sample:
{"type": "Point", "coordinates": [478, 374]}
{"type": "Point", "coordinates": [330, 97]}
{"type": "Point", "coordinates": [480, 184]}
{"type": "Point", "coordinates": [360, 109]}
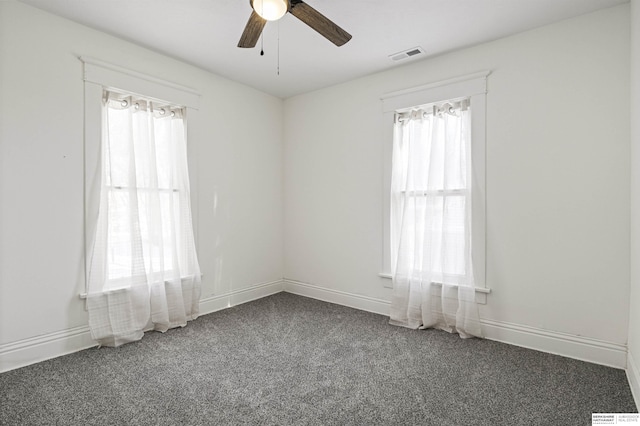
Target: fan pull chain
{"type": "Point", "coordinates": [278, 47]}
{"type": "Point", "coordinates": [262, 33]}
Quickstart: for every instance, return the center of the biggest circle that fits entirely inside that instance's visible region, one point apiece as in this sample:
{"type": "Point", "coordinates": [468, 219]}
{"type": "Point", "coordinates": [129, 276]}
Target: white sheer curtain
{"type": "Point", "coordinates": [143, 271]}
{"type": "Point", "coordinates": [431, 263]}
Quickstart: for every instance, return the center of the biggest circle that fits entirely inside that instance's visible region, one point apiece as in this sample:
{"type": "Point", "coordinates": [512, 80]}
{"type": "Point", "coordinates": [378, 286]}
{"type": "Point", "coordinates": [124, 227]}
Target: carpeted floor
{"type": "Point", "coordinates": [290, 360]}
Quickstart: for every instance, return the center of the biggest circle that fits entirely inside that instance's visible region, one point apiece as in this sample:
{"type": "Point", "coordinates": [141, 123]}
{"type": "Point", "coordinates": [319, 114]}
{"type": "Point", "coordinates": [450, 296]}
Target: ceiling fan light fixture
{"type": "Point", "coordinates": [271, 10]}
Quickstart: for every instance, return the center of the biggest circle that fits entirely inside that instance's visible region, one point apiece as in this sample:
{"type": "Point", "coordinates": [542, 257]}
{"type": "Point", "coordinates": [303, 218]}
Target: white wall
{"type": "Point", "coordinates": [633, 369]}
{"type": "Point", "coordinates": [237, 169]}
{"type": "Point", "coordinates": [557, 183]}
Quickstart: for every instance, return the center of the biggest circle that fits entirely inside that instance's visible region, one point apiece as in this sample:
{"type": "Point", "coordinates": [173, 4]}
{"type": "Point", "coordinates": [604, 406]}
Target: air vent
{"type": "Point", "coordinates": [409, 53]}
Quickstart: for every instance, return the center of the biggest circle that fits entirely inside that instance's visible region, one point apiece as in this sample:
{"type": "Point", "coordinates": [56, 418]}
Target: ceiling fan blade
{"type": "Point", "coordinates": [252, 30]}
{"type": "Point", "coordinates": [319, 22]}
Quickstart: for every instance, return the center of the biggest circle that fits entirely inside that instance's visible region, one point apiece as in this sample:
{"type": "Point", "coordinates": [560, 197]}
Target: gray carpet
{"type": "Point", "coordinates": [290, 360]}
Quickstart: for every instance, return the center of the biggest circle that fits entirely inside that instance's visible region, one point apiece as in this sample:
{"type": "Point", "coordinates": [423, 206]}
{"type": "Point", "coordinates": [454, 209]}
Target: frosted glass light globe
{"type": "Point", "coordinates": [271, 10]}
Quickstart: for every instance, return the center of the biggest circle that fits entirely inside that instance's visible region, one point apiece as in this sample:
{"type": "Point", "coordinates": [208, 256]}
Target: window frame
{"type": "Point", "coordinates": [474, 88]}
{"type": "Point", "coordinates": [98, 77]}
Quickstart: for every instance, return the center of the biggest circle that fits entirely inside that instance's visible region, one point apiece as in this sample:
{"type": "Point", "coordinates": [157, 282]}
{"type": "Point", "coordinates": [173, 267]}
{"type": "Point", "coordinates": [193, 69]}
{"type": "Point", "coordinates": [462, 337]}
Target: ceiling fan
{"type": "Point", "coordinates": [272, 10]}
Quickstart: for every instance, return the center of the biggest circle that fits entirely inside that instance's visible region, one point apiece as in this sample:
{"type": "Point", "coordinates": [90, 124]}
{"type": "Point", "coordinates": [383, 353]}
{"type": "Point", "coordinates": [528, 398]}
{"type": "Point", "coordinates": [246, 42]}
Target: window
{"type": "Point", "coordinates": [144, 176]}
{"type": "Point", "coordinates": [431, 190]}
{"type": "Point", "coordinates": [142, 271]}
{"type": "Point", "coordinates": [443, 104]}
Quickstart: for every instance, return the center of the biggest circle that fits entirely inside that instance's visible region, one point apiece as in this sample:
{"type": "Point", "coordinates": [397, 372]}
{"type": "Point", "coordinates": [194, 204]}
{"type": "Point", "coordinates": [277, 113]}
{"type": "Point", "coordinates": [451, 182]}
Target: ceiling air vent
{"type": "Point", "coordinates": [409, 53]}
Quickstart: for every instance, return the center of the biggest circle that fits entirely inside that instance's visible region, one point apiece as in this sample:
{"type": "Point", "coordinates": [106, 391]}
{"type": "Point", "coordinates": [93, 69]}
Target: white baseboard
{"type": "Point", "coordinates": [364, 303]}
{"type": "Point", "coordinates": [567, 345]}
{"type": "Point", "coordinates": [40, 348]}
{"type": "Point", "coordinates": [633, 375]}
{"type": "Point", "coordinates": [238, 297]}
{"type": "Point", "coordinates": [29, 351]}
{"type": "Point", "coordinates": [571, 346]}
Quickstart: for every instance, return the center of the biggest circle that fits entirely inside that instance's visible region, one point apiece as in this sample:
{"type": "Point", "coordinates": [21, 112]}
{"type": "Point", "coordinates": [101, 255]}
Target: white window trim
{"type": "Point", "coordinates": [474, 87]}
{"type": "Point", "coordinates": [119, 79]}
{"type": "Point", "coordinates": [99, 76]}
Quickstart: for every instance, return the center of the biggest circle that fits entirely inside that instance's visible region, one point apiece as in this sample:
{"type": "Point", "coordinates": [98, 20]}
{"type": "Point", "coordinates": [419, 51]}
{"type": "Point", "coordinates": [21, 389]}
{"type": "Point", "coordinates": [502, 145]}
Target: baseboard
{"type": "Point", "coordinates": [36, 349]}
{"type": "Point", "coordinates": [29, 351]}
{"type": "Point", "coordinates": [238, 297]}
{"type": "Point", "coordinates": [567, 345]}
{"type": "Point", "coordinates": [357, 301]}
{"type": "Point", "coordinates": [633, 375]}
{"type": "Point", "coordinates": [571, 346]}
{"type": "Point", "coordinates": [40, 348]}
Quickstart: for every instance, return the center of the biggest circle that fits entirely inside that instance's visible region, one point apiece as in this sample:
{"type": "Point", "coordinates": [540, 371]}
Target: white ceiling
{"type": "Point", "coordinates": [205, 33]}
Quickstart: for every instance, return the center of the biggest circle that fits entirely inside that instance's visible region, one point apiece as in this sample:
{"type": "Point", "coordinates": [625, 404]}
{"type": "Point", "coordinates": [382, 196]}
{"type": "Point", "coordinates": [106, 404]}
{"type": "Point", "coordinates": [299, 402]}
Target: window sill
{"type": "Point", "coordinates": [83, 296]}
{"type": "Point", "coordinates": [481, 292]}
